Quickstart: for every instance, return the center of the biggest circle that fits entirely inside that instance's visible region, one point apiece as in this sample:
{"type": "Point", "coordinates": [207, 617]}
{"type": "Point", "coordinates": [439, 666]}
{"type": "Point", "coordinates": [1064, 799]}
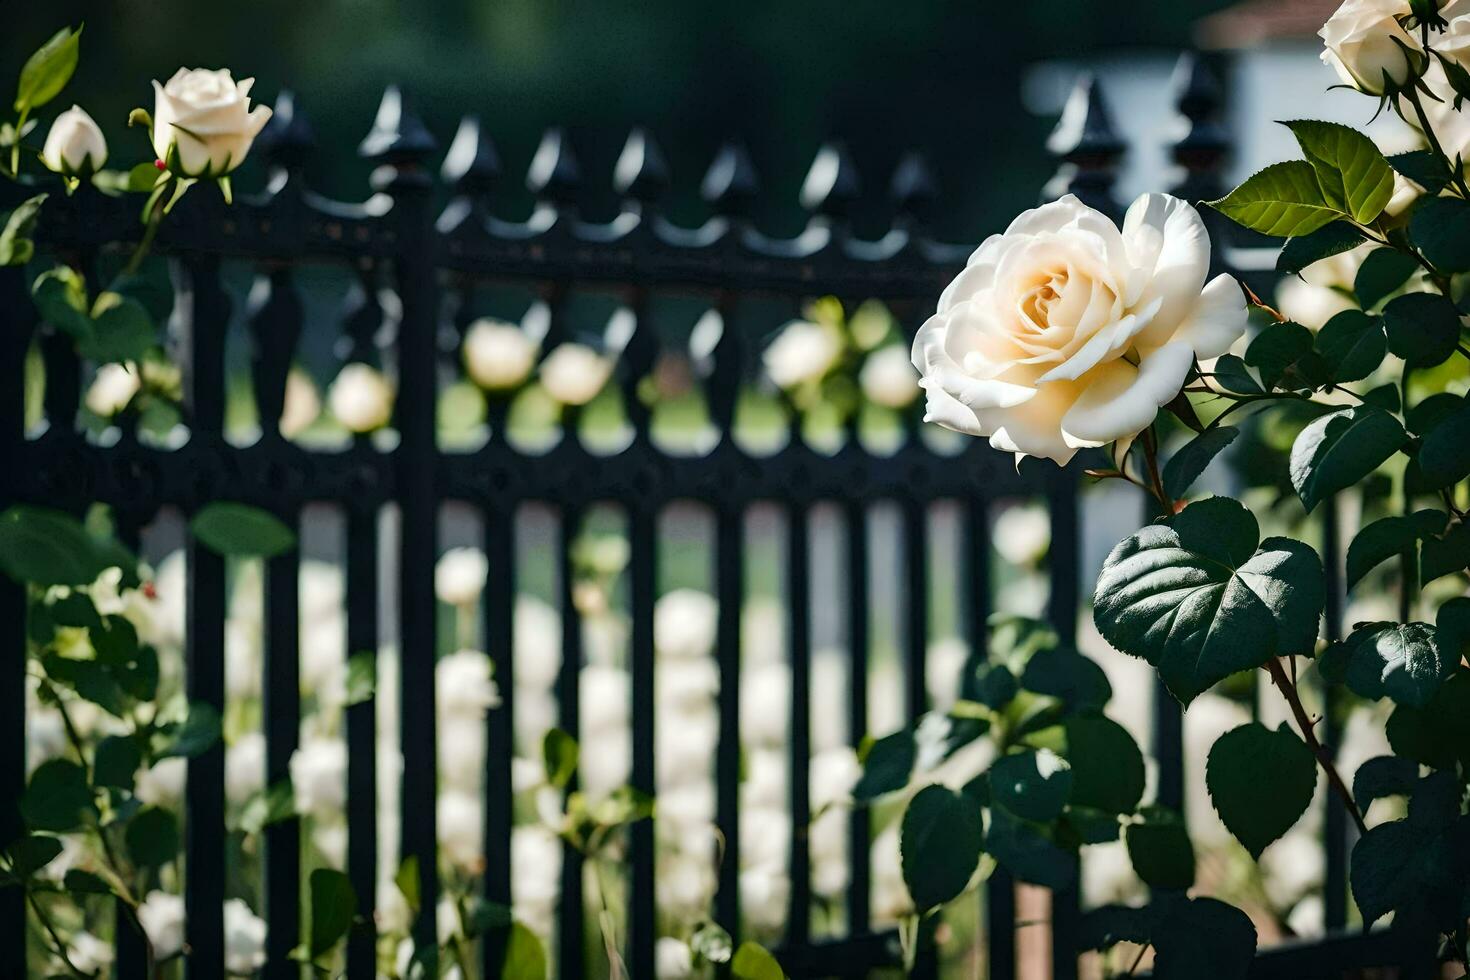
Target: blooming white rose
{"type": "Point", "coordinates": [75, 145]}
{"type": "Point", "coordinates": [461, 745]}
{"type": "Point", "coordinates": [1066, 332]}
{"type": "Point", "coordinates": [606, 697]}
{"type": "Point", "coordinates": [203, 123]}
{"type": "Point", "coordinates": [112, 389]}
{"type": "Point", "coordinates": [574, 374]}
{"type": "Point", "coordinates": [803, 351]}
{"type": "Point", "coordinates": [319, 777]}
{"type": "Point", "coordinates": [1362, 44]}
{"type": "Point", "coordinates": [537, 643]}
{"type": "Point", "coordinates": [162, 917]}
{"type": "Point", "coordinates": [361, 398]}
{"type": "Point", "coordinates": [464, 686]}
{"type": "Point", "coordinates": [89, 954]}
{"type": "Point", "coordinates": [163, 784]}
{"type": "Point", "coordinates": [498, 355]}
{"type": "Point", "coordinates": [888, 379]}
{"type": "Point", "coordinates": [833, 774]}
{"type": "Point", "coordinates": [686, 884]}
{"type": "Point", "coordinates": [459, 576]}
{"type": "Point", "coordinates": [461, 826]}
{"type": "Point", "coordinates": [672, 960]}
{"type": "Point", "coordinates": [244, 939]}
{"type": "Point", "coordinates": [244, 659]}
{"type": "Point", "coordinates": [764, 894]}
{"type": "Point", "coordinates": [245, 768]}
{"type": "Point", "coordinates": [684, 623]}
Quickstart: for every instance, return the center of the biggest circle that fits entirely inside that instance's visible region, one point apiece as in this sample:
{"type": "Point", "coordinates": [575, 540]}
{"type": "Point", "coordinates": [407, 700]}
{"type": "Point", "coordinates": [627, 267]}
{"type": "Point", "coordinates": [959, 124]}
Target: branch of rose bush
{"type": "Point", "coordinates": [1304, 723]}
{"type": "Point", "coordinates": [60, 949]}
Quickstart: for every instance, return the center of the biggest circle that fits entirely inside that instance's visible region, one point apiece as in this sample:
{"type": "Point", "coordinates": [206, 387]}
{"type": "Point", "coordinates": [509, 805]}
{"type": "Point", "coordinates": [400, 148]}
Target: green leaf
{"type": "Point", "coordinates": [60, 295]}
{"type": "Point", "coordinates": [31, 853]}
{"type": "Point", "coordinates": [1444, 554]}
{"type": "Point", "coordinates": [57, 798]}
{"type": "Point", "coordinates": [559, 756]}
{"type": "Point", "coordinates": [242, 531]}
{"type": "Point", "coordinates": [1352, 344]}
{"type": "Point", "coordinates": [1452, 628]}
{"type": "Point", "coordinates": [525, 959]}
{"type": "Point", "coordinates": [1351, 171]}
{"type": "Point", "coordinates": [1028, 853]}
{"type": "Point", "coordinates": [886, 766]}
{"type": "Point", "coordinates": [407, 880]}
{"type": "Point", "coordinates": [1195, 598]}
{"type": "Point", "coordinates": [485, 916]}
{"type": "Point", "coordinates": [1260, 782]}
{"type": "Point", "coordinates": [1107, 766]}
{"type": "Point", "coordinates": [47, 547]}
{"type": "Point", "coordinates": [1160, 850]}
{"type": "Point", "coordinates": [1387, 868]}
{"type": "Point", "coordinates": [333, 904]}
{"type": "Point", "coordinates": [1382, 273]}
{"type": "Point", "coordinates": [939, 845]}
{"type": "Point", "coordinates": [1232, 375]}
{"type": "Point", "coordinates": [1284, 356]}
{"type": "Point", "coordinates": [1440, 228]}
{"type": "Point", "coordinates": [80, 882]}
{"type": "Point", "coordinates": [197, 734]}
{"type": "Point", "coordinates": [1422, 328]}
{"type": "Point", "coordinates": [16, 246]}
{"type": "Point", "coordinates": [1383, 776]}
{"type": "Point", "coordinates": [1439, 735]}
{"type": "Point", "coordinates": [153, 837]}
{"type": "Point", "coordinates": [121, 331]}
{"type": "Point", "coordinates": [1337, 450]}
{"type": "Point", "coordinates": [116, 761]}
{"type": "Point", "coordinates": [991, 684]}
{"type": "Point", "coordinates": [1077, 681]}
{"type": "Point", "coordinates": [1283, 201]}
{"type": "Point", "coordinates": [1425, 168]}
{"type": "Point", "coordinates": [752, 962]}
{"type": "Point", "coordinates": [1034, 785]}
{"type": "Point", "coordinates": [1108, 925]}
{"type": "Point", "coordinates": [1389, 537]}
{"type": "Point", "coordinates": [1203, 939]}
{"type": "Point", "coordinates": [1401, 661]}
{"type": "Point", "coordinates": [362, 677]}
{"type": "Point", "coordinates": [624, 805]}
{"type": "Point", "coordinates": [273, 805]}
{"type": "Point", "coordinates": [1444, 458]}
{"type": "Point", "coordinates": [1186, 465]}
{"type": "Point", "coordinates": [46, 72]}
{"type": "Point", "coordinates": [143, 177]}
{"type": "Point", "coordinates": [1327, 241]}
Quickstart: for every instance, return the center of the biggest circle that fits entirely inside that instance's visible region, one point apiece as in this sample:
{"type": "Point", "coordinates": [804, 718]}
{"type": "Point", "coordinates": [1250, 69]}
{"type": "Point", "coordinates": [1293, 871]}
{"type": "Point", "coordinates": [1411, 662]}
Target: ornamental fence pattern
{"type": "Point", "coordinates": [420, 252]}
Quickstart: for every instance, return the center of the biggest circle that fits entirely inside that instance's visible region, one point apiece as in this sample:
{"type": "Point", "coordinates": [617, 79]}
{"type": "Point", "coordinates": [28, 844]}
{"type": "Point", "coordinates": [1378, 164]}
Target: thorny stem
{"type": "Point", "coordinates": [50, 927]}
{"type": "Point", "coordinates": [1324, 758]}
{"type": "Point", "coordinates": [150, 231]}
{"type": "Point", "coordinates": [605, 922]}
{"type": "Point", "coordinates": [1156, 482]}
{"type": "Point", "coordinates": [1412, 97]}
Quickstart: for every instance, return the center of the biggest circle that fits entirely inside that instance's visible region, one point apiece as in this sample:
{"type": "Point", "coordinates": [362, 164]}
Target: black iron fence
{"type": "Point", "coordinates": [436, 258]}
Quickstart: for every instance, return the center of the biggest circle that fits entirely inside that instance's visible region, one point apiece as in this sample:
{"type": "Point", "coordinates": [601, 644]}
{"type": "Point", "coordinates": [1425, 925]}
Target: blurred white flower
{"type": "Point", "coordinates": [244, 939]}
{"type": "Point", "coordinates": [829, 685]}
{"type": "Point", "coordinates": [672, 960]}
{"type": "Point", "coordinates": [684, 623]}
{"type": "Point", "coordinates": [828, 834]}
{"type": "Point", "coordinates": [391, 911]}
{"type": "Point", "coordinates": [1307, 917]}
{"type": "Point", "coordinates": [535, 854]}
{"type": "Point", "coordinates": [765, 693]}
{"type": "Point", "coordinates": [765, 837]}
{"type": "Point", "coordinates": [605, 693]}
{"type": "Point", "coordinates": [606, 761]}
{"type": "Point", "coordinates": [686, 886]}
{"type": "Point", "coordinates": [45, 734]}
{"type": "Point", "coordinates": [833, 775]}
{"type": "Point", "coordinates": [687, 808]}
{"type": "Point", "coordinates": [361, 398]}
{"type": "Point", "coordinates": [461, 830]}
{"type": "Point", "coordinates": [764, 893]}
{"type": "Point", "coordinates": [574, 374]}
{"type": "Point", "coordinates": [1294, 865]}
{"type": "Point", "coordinates": [330, 839]}
{"type": "Point", "coordinates": [166, 626]}
{"type": "Point", "coordinates": [302, 405]}
{"type": "Point", "coordinates": [1209, 716]}
{"type": "Point", "coordinates": [889, 896]}
{"type": "Point", "coordinates": [459, 576]}
{"type": "Point", "coordinates": [162, 917]}
{"type": "Point", "coordinates": [324, 656]}
{"type": "Point", "coordinates": [537, 643]}
{"type": "Point", "coordinates": [686, 746]}
{"type": "Point", "coordinates": [1108, 875]}
{"type": "Point", "coordinates": [461, 751]}
{"type": "Point", "coordinates": [802, 352]}
{"type": "Point", "coordinates": [112, 389]}
{"type": "Point", "coordinates": [245, 768]}
{"type": "Point", "coordinates": [1022, 534]}
{"type": "Point", "coordinates": [323, 589]}
{"type": "Point", "coordinates": [686, 687]}
{"type": "Point", "coordinates": [319, 777]}
{"type": "Point", "coordinates": [244, 662]}
{"type": "Point", "coordinates": [464, 685]}
{"type": "Point", "coordinates": [535, 715]}
{"type": "Point", "coordinates": [163, 784]}
{"type": "Point", "coordinates": [765, 778]}
{"type": "Point", "coordinates": [888, 377]}
{"type": "Point", "coordinates": [945, 662]}
{"type": "Point", "coordinates": [498, 355]}
{"type": "Point", "coordinates": [75, 145]}
{"type": "Point", "coordinates": [89, 954]}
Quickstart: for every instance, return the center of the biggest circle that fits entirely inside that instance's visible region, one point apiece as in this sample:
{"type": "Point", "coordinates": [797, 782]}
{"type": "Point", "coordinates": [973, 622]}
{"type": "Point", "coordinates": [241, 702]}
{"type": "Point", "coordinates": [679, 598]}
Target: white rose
{"type": "Point", "coordinates": [361, 398]}
{"type": "Point", "coordinates": [1454, 41]}
{"type": "Point", "coordinates": [537, 643]}
{"type": "Point", "coordinates": [765, 837]}
{"type": "Point", "coordinates": [605, 697]}
{"type": "Point", "coordinates": [89, 954]}
{"type": "Point", "coordinates": [672, 960]}
{"type": "Point", "coordinates": [162, 917]}
{"type": "Point", "coordinates": [764, 893]}
{"type": "Point", "coordinates": [686, 747]}
{"type": "Point", "coordinates": [319, 777]}
{"type": "Point", "coordinates": [684, 623]}
{"type": "Point", "coordinates": [686, 884]}
{"type": "Point", "coordinates": [1065, 332]}
{"type": "Point", "coordinates": [162, 785]}
{"type": "Point", "coordinates": [1022, 534]}
{"type": "Point", "coordinates": [459, 576]}
{"type": "Point", "coordinates": [1405, 193]}
{"type": "Point", "coordinates": [606, 761]}
{"type": "Point", "coordinates": [112, 389]}
{"type": "Point", "coordinates": [687, 687]}
{"type": "Point", "coordinates": [203, 123]}
{"type": "Point", "coordinates": [244, 939]}
{"type": "Point", "coordinates": [75, 145]}
{"type": "Point", "coordinates": [498, 355]}
{"type": "Point", "coordinates": [1362, 45]}
{"type": "Point", "coordinates": [464, 686]}
{"type": "Point", "coordinates": [245, 768]}
{"type": "Point", "coordinates": [833, 774]}
{"type": "Point", "coordinates": [461, 745]}
{"type": "Point", "coordinates": [331, 840]}
{"type": "Point", "coordinates": [461, 824]}
{"type": "Point", "coordinates": [244, 659]}
{"type": "Point", "coordinates": [536, 854]}
{"type": "Point", "coordinates": [574, 374]}
{"type": "Point", "coordinates": [888, 379]}
{"type": "Point", "coordinates": [803, 351]}
{"type": "Point", "coordinates": [946, 658]}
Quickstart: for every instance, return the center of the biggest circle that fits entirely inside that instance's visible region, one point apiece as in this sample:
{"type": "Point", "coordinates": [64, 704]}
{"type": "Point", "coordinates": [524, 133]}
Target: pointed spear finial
{"type": "Point", "coordinates": [1088, 148]}
{"type": "Point", "coordinates": [554, 175]}
{"type": "Point", "coordinates": [288, 139]}
{"type": "Point", "coordinates": [641, 172]}
{"type": "Point", "coordinates": [398, 136]}
{"type": "Point", "coordinates": [472, 164]}
{"type": "Point", "coordinates": [831, 184]}
{"type": "Point", "coordinates": [731, 185]}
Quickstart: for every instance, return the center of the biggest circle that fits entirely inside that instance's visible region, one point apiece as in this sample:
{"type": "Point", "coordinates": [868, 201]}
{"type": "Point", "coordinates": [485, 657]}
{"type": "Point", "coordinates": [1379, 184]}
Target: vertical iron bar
{"type": "Point", "coordinates": [798, 571]}
{"type": "Point", "coordinates": [859, 819]}
{"type": "Point", "coordinates": [362, 726]}
{"type": "Point", "coordinates": [203, 317]}
{"type": "Point", "coordinates": [916, 649]}
{"type": "Point", "coordinates": [730, 592]}
{"type": "Point", "coordinates": [642, 532]}
{"type": "Point", "coordinates": [1062, 605]}
{"type": "Point", "coordinates": [1168, 720]}
{"type": "Point", "coordinates": [282, 711]}
{"type": "Point", "coordinates": [499, 633]}
{"type": "Point", "coordinates": [568, 696]}
{"type": "Point", "coordinates": [1335, 829]}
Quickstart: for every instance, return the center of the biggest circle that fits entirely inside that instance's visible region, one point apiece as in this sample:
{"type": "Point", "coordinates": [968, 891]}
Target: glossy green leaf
{"type": "Point", "coordinates": [1382, 273]}
{"type": "Point", "coordinates": [1352, 344]}
{"type": "Point", "coordinates": [1423, 167]}
{"type": "Point", "coordinates": [886, 766]}
{"type": "Point", "coordinates": [153, 837]}
{"type": "Point", "coordinates": [1422, 328]}
{"type": "Point", "coordinates": [1351, 171]}
{"type": "Point", "coordinates": [1195, 598]}
{"type": "Point", "coordinates": [1203, 939]}
{"type": "Point", "coordinates": [57, 798]}
{"type": "Point", "coordinates": [362, 677]}
{"type": "Point", "coordinates": [1337, 450]}
{"type": "Point", "coordinates": [60, 295]}
{"type": "Point", "coordinates": [1444, 458]}
{"type": "Point", "coordinates": [1107, 766]}
{"type": "Point", "coordinates": [1186, 465]}
{"type": "Point", "coordinates": [1283, 200]}
{"type": "Point", "coordinates": [29, 854]}
{"type": "Point", "coordinates": [1327, 241]}
{"type": "Point", "coordinates": [1388, 868]}
{"type": "Point", "coordinates": [116, 761]}
{"type": "Point", "coordinates": [991, 684]}
{"type": "Point", "coordinates": [1438, 735]}
{"type": "Point", "coordinates": [559, 757]}
{"type": "Point", "coordinates": [1077, 681]}
{"type": "Point", "coordinates": [1440, 228]}
{"type": "Point", "coordinates": [1024, 849]}
{"type": "Point", "coordinates": [1401, 661]}
{"type": "Point", "coordinates": [47, 547]}
{"type": "Point", "coordinates": [1260, 782]}
{"type": "Point", "coordinates": [121, 331]}
{"type": "Point", "coordinates": [1034, 785]}
{"type": "Point", "coordinates": [47, 71]}
{"type": "Point", "coordinates": [1232, 374]}
{"type": "Point", "coordinates": [16, 246]}
{"type": "Point", "coordinates": [196, 734]}
{"type": "Point", "coordinates": [80, 882]}
{"type": "Point", "coordinates": [939, 845]}
{"type": "Point", "coordinates": [1444, 554]}
{"type": "Point", "coordinates": [242, 531]}
{"type": "Point", "coordinates": [1160, 850]}
{"type": "Point", "coordinates": [1389, 537]}
{"type": "Point", "coordinates": [1284, 356]}
{"type": "Point", "coordinates": [1383, 776]}
{"type": "Point", "coordinates": [752, 962]}
{"type": "Point", "coordinates": [333, 905]}
{"type": "Point", "coordinates": [525, 957]}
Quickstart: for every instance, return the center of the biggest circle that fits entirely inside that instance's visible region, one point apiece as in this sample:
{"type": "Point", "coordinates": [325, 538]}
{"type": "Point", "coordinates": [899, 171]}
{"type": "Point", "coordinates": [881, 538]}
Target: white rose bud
{"type": "Point", "coordinates": [803, 351]}
{"type": "Point", "coordinates": [203, 123]}
{"type": "Point", "coordinates": [574, 374]}
{"type": "Point", "coordinates": [112, 389]}
{"type": "Point", "coordinates": [459, 576]}
{"type": "Point", "coordinates": [1066, 332]}
{"type": "Point", "coordinates": [244, 939]}
{"type": "Point", "coordinates": [1363, 45]}
{"type": "Point", "coordinates": [497, 355]}
{"type": "Point", "coordinates": [75, 145]}
{"type": "Point", "coordinates": [888, 379]}
{"type": "Point", "coordinates": [162, 917]}
{"type": "Point", "coordinates": [361, 398]}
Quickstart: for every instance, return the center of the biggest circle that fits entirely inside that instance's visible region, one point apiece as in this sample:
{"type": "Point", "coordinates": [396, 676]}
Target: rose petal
{"type": "Point", "coordinates": [1167, 239]}
{"type": "Point", "coordinates": [1121, 399]}
{"type": "Point", "coordinates": [1108, 343]}
{"type": "Point", "coordinates": [1217, 321]}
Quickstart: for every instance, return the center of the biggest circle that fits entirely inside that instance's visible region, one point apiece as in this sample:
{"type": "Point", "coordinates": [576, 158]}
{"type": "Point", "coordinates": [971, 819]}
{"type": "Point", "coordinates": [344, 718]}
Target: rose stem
{"type": "Point", "coordinates": [1288, 691]}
